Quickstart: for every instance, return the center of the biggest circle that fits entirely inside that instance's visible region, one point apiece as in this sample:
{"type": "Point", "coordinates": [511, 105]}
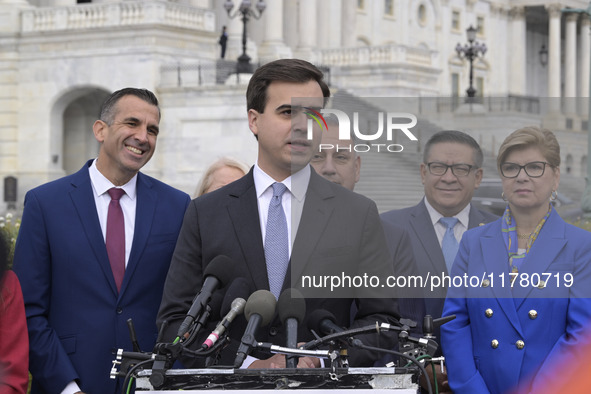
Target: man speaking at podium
{"type": "Point", "coordinates": [281, 222]}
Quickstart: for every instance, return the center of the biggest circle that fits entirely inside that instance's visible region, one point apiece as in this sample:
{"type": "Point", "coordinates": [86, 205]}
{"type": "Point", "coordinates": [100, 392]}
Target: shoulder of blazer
{"type": "Point", "coordinates": [403, 215]}
{"type": "Point", "coordinates": [159, 186]}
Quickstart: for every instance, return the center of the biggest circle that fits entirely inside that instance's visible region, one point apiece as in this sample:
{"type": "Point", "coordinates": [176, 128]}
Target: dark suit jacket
{"type": "Point", "coordinates": [427, 252]}
{"type": "Point", "coordinates": [339, 232]}
{"type": "Point", "coordinates": [75, 315]}
{"type": "Point", "coordinates": [410, 298]}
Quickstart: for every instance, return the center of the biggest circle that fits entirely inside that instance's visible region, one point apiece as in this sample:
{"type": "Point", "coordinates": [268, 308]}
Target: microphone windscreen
{"type": "Point", "coordinates": [239, 288]}
{"type": "Point", "coordinates": [216, 302]}
{"type": "Point", "coordinates": [291, 304]}
{"type": "Point", "coordinates": [221, 267]}
{"type": "Point", "coordinates": [262, 302]}
{"type": "Point", "coordinates": [316, 317]}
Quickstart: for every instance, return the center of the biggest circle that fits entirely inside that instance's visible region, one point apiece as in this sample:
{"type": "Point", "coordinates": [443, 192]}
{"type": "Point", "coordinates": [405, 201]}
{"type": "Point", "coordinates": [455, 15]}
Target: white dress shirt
{"type": "Point", "coordinates": [459, 229]}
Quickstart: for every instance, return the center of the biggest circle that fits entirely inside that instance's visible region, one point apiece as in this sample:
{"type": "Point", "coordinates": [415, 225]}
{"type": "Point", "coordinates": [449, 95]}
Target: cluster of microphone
{"type": "Point", "coordinates": [259, 309]}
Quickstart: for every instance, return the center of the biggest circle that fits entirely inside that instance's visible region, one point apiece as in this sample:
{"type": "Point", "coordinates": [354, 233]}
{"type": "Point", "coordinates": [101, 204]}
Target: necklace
{"type": "Point", "coordinates": [523, 236]}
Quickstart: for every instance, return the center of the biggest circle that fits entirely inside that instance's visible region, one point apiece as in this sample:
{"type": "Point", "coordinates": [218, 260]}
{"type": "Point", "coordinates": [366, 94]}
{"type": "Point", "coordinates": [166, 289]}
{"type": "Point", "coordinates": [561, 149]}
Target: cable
{"type": "Point", "coordinates": [130, 372]}
{"type": "Point", "coordinates": [434, 378]}
{"type": "Point", "coordinates": [414, 361]}
{"type": "Point", "coordinates": [419, 359]}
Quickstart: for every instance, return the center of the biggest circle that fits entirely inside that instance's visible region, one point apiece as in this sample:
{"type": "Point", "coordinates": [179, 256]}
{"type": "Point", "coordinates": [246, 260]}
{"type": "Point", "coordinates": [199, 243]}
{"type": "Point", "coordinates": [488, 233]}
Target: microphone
{"type": "Point", "coordinates": [234, 300]}
{"type": "Point", "coordinates": [217, 273]}
{"type": "Point", "coordinates": [259, 311]}
{"type": "Point", "coordinates": [324, 322]}
{"type": "Point", "coordinates": [291, 307]}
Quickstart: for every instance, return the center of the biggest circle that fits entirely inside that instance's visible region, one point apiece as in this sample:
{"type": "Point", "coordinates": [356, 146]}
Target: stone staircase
{"type": "Point", "coordinates": [393, 180]}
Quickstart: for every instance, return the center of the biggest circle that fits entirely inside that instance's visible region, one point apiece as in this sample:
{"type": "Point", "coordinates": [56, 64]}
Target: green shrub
{"type": "Point", "coordinates": [10, 225]}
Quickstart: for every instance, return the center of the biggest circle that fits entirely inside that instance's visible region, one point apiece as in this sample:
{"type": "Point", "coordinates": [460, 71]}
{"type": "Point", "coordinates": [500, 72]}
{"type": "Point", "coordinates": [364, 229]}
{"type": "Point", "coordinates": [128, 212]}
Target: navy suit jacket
{"type": "Point", "coordinates": [551, 320]}
{"type": "Point", "coordinates": [75, 315]}
{"type": "Point", "coordinates": [426, 248]}
{"type": "Point", "coordinates": [339, 231]}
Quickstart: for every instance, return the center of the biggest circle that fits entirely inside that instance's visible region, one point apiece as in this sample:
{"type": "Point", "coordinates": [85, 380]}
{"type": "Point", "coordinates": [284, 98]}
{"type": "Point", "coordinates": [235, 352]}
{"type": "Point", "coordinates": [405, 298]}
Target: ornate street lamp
{"type": "Point", "coordinates": [471, 51]}
{"type": "Point", "coordinates": [246, 11]}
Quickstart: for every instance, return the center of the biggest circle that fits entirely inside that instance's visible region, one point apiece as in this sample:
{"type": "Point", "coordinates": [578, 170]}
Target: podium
{"type": "Point", "coordinates": [313, 380]}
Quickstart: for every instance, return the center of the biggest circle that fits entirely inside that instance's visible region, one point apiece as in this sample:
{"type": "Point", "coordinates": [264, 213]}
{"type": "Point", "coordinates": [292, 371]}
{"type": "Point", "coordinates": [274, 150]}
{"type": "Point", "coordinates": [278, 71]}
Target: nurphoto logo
{"type": "Point", "coordinates": [394, 121]}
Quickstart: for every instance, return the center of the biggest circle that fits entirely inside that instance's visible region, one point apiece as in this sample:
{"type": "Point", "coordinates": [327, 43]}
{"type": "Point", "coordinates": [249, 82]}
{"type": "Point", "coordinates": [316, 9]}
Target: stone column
{"type": "Point", "coordinates": [585, 56]}
{"type": "Point", "coordinates": [307, 29]}
{"type": "Point", "coordinates": [273, 46]}
{"type": "Point", "coordinates": [553, 119]}
{"type": "Point", "coordinates": [554, 51]}
{"type": "Point", "coordinates": [517, 76]}
{"type": "Point", "coordinates": [348, 22]}
{"type": "Point", "coordinates": [570, 64]}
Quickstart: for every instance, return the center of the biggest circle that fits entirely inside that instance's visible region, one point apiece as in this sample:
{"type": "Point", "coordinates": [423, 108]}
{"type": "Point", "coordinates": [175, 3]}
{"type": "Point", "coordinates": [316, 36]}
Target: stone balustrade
{"type": "Point", "coordinates": [384, 54]}
{"type": "Point", "coordinates": [92, 16]}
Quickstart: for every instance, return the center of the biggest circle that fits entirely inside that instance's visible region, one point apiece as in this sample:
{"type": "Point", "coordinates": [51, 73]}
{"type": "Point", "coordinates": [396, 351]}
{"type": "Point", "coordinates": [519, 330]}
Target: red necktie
{"type": "Point", "coordinates": [116, 236]}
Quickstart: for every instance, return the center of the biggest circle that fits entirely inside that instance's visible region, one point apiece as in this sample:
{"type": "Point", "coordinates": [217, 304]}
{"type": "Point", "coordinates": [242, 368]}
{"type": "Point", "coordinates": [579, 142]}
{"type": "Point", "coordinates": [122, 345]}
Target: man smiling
{"type": "Point", "coordinates": [93, 250]}
{"type": "Point", "coordinates": [451, 170]}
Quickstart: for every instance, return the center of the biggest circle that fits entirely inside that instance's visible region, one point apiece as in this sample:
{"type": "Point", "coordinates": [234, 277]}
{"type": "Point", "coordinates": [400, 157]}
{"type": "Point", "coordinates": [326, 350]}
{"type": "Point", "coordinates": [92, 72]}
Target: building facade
{"type": "Point", "coordinates": [60, 58]}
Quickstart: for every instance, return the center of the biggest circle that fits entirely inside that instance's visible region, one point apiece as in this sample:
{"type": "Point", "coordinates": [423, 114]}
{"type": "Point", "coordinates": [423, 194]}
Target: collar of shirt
{"type": "Point", "coordinates": [297, 183]}
{"type": "Point", "coordinates": [460, 228]}
{"type": "Point", "coordinates": [101, 184]}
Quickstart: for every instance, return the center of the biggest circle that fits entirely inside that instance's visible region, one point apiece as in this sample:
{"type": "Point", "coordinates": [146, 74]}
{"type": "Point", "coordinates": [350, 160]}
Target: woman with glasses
{"type": "Point", "coordinates": [521, 285]}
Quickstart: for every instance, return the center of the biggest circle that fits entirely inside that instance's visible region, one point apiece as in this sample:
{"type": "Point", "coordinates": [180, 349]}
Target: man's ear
{"type": "Point", "coordinates": [357, 168]}
{"type": "Point", "coordinates": [253, 117]}
{"type": "Point", "coordinates": [99, 129]}
{"type": "Point", "coordinates": [424, 170]}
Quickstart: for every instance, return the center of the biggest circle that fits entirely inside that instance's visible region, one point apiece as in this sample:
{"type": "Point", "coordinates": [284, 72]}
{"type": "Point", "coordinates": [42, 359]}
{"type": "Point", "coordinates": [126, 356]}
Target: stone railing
{"type": "Point", "coordinates": [89, 16]}
{"type": "Point", "coordinates": [385, 54]}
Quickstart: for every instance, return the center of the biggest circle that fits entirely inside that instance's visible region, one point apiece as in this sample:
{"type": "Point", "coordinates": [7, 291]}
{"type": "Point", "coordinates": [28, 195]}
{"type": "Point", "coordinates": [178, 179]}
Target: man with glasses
{"type": "Point", "coordinates": [451, 170]}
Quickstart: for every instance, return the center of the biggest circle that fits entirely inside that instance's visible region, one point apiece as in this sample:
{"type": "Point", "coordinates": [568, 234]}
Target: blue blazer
{"type": "Point", "coordinates": [75, 316]}
{"type": "Point", "coordinates": [515, 339]}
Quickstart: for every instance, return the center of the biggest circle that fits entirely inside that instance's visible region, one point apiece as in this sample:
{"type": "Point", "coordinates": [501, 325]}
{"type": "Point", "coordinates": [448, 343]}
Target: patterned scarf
{"type": "Point", "coordinates": [509, 230]}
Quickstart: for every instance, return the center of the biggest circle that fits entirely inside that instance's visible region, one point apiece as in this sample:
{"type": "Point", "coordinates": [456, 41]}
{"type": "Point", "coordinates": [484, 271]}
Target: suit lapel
{"type": "Point", "coordinates": [146, 200]}
{"type": "Point", "coordinates": [496, 262]}
{"type": "Point", "coordinates": [476, 218]}
{"type": "Point", "coordinates": [244, 215]}
{"type": "Point", "coordinates": [425, 233]}
{"type": "Point", "coordinates": [315, 216]}
{"type": "Point", "coordinates": [83, 200]}
{"type": "Point", "coordinates": [543, 252]}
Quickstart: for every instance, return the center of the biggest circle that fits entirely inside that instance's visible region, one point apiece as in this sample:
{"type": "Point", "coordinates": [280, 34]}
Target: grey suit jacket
{"type": "Point", "coordinates": [426, 248]}
{"type": "Point", "coordinates": [339, 232]}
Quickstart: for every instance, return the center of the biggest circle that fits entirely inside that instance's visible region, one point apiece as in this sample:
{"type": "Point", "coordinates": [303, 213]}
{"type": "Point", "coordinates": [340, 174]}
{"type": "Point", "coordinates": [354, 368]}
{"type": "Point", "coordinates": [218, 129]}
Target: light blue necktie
{"type": "Point", "coordinates": [449, 245]}
{"type": "Point", "coordinates": [276, 241]}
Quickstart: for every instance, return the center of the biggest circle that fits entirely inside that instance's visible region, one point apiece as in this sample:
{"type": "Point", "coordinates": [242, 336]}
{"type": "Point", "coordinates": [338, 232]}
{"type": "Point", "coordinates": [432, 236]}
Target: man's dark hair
{"type": "Point", "coordinates": [284, 70]}
{"type": "Point", "coordinates": [107, 112]}
{"type": "Point", "coordinates": [457, 137]}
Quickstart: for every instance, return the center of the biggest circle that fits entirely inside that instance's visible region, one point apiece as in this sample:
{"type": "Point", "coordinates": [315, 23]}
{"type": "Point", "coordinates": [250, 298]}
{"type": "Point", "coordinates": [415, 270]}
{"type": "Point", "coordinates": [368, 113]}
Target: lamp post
{"type": "Point", "coordinates": [586, 200]}
{"type": "Point", "coordinates": [246, 11]}
{"type": "Point", "coordinates": [471, 51]}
